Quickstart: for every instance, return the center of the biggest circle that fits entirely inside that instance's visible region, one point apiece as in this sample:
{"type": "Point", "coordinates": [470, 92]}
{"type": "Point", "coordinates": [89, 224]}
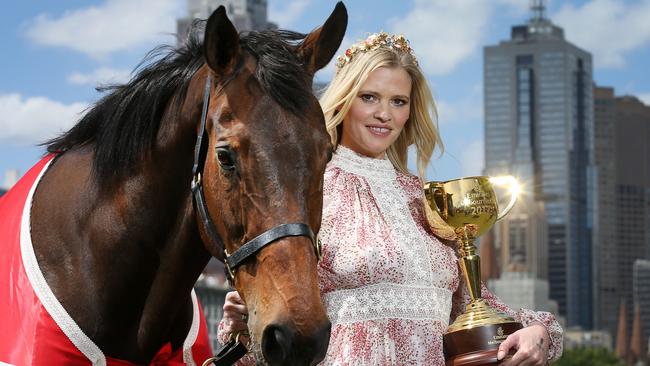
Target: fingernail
{"type": "Point", "coordinates": [500, 355]}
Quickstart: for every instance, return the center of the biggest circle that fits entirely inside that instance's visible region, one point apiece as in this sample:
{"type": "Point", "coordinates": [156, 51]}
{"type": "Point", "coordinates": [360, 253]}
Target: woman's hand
{"type": "Point", "coordinates": [235, 316]}
{"type": "Point", "coordinates": [531, 343]}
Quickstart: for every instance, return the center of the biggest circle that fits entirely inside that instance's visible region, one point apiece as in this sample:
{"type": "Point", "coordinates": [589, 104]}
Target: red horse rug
{"type": "Point", "coordinates": [35, 329]}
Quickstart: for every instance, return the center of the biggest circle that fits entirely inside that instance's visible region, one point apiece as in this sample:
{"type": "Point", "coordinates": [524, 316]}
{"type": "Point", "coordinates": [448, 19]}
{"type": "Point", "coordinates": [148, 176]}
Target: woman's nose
{"type": "Point", "coordinates": [383, 114]}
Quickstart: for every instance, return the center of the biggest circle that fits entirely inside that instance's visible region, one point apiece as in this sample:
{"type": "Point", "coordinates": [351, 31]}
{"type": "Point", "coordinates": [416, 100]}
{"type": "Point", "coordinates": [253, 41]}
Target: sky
{"type": "Point", "coordinates": [55, 53]}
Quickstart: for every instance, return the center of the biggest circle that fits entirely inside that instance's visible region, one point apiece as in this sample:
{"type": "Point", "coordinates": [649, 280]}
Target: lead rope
{"type": "Point", "coordinates": [230, 353]}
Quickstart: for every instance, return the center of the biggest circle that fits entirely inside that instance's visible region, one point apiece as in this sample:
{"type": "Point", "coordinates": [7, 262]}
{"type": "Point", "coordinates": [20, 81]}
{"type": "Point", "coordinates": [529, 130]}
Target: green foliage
{"type": "Point", "coordinates": [588, 356]}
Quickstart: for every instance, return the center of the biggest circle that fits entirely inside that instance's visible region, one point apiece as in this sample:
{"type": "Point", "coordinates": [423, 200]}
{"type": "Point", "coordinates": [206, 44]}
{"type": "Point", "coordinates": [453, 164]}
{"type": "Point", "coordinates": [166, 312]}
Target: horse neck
{"type": "Point", "coordinates": [182, 255]}
{"type": "Point", "coordinates": [163, 240]}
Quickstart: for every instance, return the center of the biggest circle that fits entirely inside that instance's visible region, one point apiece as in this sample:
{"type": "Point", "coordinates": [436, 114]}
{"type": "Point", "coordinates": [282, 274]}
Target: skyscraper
{"type": "Point", "coordinates": [622, 155]}
{"type": "Point", "coordinates": [244, 14]}
{"type": "Point", "coordinates": [641, 294]}
{"type": "Point", "coordinates": [606, 286]}
{"type": "Point", "coordinates": [538, 126]}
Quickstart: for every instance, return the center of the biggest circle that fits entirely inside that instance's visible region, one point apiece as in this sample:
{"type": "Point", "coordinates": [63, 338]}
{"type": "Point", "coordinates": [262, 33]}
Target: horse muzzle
{"type": "Point", "coordinates": [284, 345]}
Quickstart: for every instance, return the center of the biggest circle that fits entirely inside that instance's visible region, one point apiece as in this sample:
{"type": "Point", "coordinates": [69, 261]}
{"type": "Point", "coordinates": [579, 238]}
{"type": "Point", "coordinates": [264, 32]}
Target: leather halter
{"type": "Point", "coordinates": [232, 261]}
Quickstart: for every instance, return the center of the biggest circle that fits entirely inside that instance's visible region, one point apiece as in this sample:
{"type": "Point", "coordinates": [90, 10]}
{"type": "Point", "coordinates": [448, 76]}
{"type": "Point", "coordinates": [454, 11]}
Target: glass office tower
{"type": "Point", "coordinates": [539, 126]}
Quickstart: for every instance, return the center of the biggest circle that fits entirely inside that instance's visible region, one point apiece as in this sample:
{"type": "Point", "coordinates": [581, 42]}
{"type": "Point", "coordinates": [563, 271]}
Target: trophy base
{"type": "Point", "coordinates": [479, 358]}
{"type": "Point", "coordinates": [478, 345]}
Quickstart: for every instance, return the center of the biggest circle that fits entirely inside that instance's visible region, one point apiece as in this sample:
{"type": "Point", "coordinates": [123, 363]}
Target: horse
{"type": "Point", "coordinates": [211, 147]}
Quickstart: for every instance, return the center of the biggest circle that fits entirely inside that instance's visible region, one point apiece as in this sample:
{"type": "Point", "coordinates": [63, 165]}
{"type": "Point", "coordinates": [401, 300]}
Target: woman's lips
{"type": "Point", "coordinates": [379, 131]}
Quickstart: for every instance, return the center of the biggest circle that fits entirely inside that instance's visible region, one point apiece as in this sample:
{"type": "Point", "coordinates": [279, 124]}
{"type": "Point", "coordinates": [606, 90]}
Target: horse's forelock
{"type": "Point", "coordinates": [280, 72]}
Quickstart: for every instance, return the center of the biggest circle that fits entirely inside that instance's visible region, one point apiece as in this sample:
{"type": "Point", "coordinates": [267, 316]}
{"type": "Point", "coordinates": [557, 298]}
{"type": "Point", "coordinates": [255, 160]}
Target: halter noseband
{"type": "Point", "coordinates": [232, 261]}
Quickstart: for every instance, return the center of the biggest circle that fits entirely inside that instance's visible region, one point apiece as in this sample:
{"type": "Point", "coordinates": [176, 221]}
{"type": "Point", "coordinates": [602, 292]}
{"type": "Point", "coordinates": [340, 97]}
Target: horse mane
{"type": "Point", "coordinates": [122, 126]}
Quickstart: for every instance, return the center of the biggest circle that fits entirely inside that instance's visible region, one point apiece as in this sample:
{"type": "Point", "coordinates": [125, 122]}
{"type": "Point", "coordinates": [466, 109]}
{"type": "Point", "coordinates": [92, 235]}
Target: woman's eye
{"type": "Point", "coordinates": [399, 102]}
{"type": "Point", "coordinates": [368, 97]}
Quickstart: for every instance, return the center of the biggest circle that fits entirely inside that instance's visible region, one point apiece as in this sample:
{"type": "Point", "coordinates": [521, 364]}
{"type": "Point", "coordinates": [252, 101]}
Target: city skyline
{"type": "Point", "coordinates": [53, 67]}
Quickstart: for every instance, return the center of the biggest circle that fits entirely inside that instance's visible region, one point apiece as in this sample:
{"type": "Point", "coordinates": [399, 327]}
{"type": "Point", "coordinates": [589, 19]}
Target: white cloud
{"type": "Point", "coordinates": [103, 75]}
{"type": "Point", "coordinates": [288, 14]}
{"type": "Point", "coordinates": [35, 119]}
{"type": "Point", "coordinates": [114, 25]}
{"type": "Point", "coordinates": [607, 28]}
{"type": "Point", "coordinates": [471, 158]}
{"type": "Point", "coordinates": [439, 39]}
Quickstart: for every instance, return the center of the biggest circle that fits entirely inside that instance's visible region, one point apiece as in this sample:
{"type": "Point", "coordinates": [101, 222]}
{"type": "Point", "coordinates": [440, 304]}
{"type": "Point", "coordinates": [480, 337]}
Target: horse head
{"type": "Point", "coordinates": [266, 152]}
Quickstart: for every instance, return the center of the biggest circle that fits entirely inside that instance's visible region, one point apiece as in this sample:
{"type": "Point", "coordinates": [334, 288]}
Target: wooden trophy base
{"type": "Point", "coordinates": [477, 346]}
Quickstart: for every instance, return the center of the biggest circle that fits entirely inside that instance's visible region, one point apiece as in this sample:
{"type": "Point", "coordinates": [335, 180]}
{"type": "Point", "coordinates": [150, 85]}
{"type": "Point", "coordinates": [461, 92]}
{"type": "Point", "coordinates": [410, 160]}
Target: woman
{"type": "Point", "coordinates": [389, 283]}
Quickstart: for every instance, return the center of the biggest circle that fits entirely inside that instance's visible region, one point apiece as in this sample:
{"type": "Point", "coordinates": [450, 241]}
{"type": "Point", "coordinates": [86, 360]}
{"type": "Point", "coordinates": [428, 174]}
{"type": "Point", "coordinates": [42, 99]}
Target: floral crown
{"type": "Point", "coordinates": [373, 42]}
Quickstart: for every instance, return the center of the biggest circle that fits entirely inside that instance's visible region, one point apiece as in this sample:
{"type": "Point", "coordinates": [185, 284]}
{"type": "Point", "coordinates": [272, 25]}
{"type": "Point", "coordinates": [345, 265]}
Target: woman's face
{"type": "Point", "coordinates": [378, 113]}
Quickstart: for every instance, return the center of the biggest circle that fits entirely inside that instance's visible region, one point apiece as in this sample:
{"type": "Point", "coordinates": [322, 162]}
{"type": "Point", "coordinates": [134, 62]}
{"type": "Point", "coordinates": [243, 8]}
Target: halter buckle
{"type": "Point", "coordinates": [196, 182]}
{"type": "Point", "coordinates": [319, 249]}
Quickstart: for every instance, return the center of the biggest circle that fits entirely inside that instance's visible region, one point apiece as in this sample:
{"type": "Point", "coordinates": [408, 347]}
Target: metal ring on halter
{"type": "Point", "coordinates": [209, 361]}
{"type": "Point", "coordinates": [244, 317]}
{"type": "Point", "coordinates": [319, 249]}
{"type": "Point", "coordinates": [236, 335]}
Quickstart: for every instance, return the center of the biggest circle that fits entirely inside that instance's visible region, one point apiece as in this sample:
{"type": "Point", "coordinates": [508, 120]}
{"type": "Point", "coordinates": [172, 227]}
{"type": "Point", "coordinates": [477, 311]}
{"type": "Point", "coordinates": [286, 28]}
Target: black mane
{"type": "Point", "coordinates": [122, 126]}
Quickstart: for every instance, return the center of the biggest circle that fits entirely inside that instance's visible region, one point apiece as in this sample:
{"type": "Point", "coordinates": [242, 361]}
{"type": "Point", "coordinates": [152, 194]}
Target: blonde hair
{"type": "Point", "coordinates": [420, 129]}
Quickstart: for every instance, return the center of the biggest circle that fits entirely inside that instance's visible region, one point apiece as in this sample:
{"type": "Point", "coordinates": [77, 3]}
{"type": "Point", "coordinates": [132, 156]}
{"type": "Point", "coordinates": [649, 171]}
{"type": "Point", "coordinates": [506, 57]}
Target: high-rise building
{"type": "Point", "coordinates": [523, 239]}
{"type": "Point", "coordinates": [606, 286]}
{"type": "Point", "coordinates": [538, 126]}
{"type": "Point", "coordinates": [523, 290]}
{"type": "Point", "coordinates": [641, 293]}
{"type": "Point", "coordinates": [622, 222]}
{"type": "Point", "coordinates": [244, 14]}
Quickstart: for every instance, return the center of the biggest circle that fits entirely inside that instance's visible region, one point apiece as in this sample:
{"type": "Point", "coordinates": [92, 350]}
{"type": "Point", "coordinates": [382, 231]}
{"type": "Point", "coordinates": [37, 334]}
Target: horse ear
{"type": "Point", "coordinates": [319, 46]}
{"type": "Point", "coordinates": [220, 43]}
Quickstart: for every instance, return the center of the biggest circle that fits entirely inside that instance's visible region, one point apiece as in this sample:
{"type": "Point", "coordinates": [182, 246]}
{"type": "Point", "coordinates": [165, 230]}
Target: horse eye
{"type": "Point", "coordinates": [225, 158]}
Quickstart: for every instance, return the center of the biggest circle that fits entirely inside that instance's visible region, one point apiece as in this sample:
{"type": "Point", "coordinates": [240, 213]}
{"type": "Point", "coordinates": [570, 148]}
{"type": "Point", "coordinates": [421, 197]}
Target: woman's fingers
{"type": "Point", "coordinates": [235, 313]}
{"type": "Point", "coordinates": [233, 296]}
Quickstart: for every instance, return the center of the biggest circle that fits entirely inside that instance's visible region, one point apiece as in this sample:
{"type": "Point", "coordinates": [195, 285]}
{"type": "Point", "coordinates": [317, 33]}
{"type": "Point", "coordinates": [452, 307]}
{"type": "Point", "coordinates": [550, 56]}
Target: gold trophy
{"type": "Point", "coordinates": [470, 207]}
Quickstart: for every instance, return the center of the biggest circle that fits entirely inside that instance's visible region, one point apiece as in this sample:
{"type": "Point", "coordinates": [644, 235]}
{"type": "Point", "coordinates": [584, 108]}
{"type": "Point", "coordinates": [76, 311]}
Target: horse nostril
{"type": "Point", "coordinates": [321, 342]}
{"type": "Point", "coordinates": [281, 345]}
{"type": "Point", "coordinates": [276, 344]}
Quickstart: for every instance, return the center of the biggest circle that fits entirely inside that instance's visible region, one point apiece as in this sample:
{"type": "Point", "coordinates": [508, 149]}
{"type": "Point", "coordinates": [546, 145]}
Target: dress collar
{"type": "Point", "coordinates": [353, 162]}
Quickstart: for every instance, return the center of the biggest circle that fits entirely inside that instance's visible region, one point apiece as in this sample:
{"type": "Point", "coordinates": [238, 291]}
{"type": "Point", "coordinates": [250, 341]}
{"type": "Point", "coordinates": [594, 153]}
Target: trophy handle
{"type": "Point", "coordinates": [435, 193]}
{"type": "Point", "coordinates": [513, 188]}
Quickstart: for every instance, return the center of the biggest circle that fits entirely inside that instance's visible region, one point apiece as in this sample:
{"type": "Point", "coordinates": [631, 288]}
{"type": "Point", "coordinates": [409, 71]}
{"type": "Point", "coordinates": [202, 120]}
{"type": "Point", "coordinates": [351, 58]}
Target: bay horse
{"type": "Point", "coordinates": [219, 142]}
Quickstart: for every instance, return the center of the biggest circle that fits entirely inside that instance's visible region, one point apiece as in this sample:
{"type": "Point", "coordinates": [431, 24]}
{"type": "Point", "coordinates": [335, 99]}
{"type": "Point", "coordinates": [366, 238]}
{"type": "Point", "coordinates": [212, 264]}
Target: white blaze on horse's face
{"type": "Point", "coordinates": [270, 147]}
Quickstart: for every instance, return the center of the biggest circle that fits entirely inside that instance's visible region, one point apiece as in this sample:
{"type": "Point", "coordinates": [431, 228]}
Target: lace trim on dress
{"type": "Point", "coordinates": [364, 166]}
{"type": "Point", "coordinates": [388, 301]}
{"type": "Point", "coordinates": [394, 207]}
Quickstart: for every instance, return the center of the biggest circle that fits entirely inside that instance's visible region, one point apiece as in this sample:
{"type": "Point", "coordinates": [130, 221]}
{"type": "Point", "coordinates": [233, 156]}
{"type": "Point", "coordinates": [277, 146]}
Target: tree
{"type": "Point", "coordinates": [588, 356]}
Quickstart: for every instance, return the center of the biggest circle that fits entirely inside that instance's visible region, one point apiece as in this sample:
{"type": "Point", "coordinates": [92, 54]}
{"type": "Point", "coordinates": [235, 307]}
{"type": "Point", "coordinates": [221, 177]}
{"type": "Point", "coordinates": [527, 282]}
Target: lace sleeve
{"type": "Point", "coordinates": [461, 298]}
{"type": "Point", "coordinates": [224, 337]}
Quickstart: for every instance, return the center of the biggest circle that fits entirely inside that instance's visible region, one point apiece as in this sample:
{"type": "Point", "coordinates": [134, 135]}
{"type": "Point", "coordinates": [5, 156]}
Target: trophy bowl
{"type": "Point", "coordinates": [470, 206]}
